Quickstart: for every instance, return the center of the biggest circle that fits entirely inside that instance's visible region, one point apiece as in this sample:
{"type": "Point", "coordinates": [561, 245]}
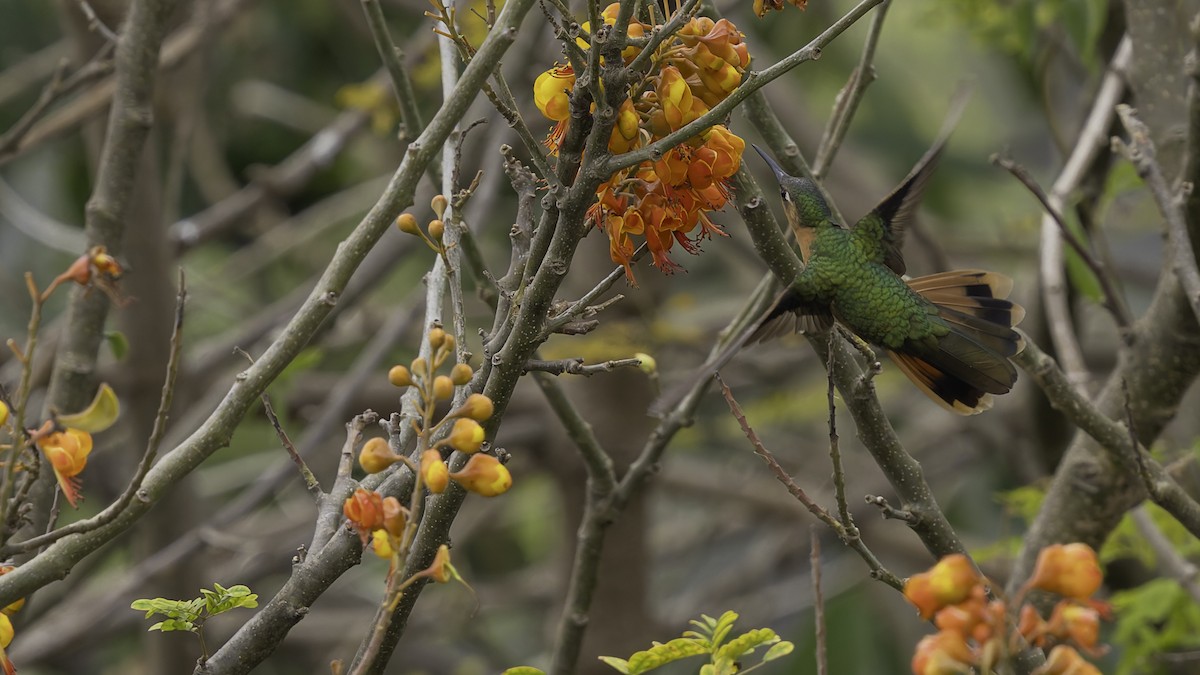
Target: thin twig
{"type": "Point", "coordinates": [393, 60]}
{"type": "Point", "coordinates": [310, 481]}
{"type": "Point", "coordinates": [575, 366]}
{"type": "Point", "coordinates": [878, 571]}
{"type": "Point", "coordinates": [94, 22]}
{"type": "Point", "coordinates": [59, 86]}
{"type": "Point", "coordinates": [1140, 151]}
{"type": "Point", "coordinates": [846, 103]}
{"type": "Point", "coordinates": [814, 562]}
{"type": "Point", "coordinates": [1114, 299]}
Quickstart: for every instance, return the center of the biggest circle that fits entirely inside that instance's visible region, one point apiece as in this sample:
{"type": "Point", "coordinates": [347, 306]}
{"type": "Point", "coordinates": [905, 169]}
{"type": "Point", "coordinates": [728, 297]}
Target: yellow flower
{"type": "Point", "coordinates": [484, 475]}
{"type": "Point", "coordinates": [466, 436]}
{"type": "Point", "coordinates": [67, 452]}
{"type": "Point", "coordinates": [434, 471]}
{"type": "Point", "coordinates": [552, 92]}
{"type": "Point", "coordinates": [381, 544]}
{"type": "Point", "coordinates": [376, 455]}
{"type": "Point", "coordinates": [626, 132]}
{"type": "Point", "coordinates": [3, 413]}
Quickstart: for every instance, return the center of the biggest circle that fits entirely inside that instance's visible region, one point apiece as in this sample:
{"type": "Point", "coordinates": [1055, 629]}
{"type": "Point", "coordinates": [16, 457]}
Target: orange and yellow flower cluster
{"type": "Point", "coordinates": [974, 631]}
{"type": "Point", "coordinates": [667, 200]}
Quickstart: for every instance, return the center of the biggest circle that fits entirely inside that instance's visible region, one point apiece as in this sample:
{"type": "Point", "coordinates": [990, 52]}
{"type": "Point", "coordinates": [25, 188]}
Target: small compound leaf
{"type": "Point", "coordinates": [721, 628]}
{"type": "Point", "coordinates": [746, 643]}
{"type": "Point", "coordinates": [523, 670]}
{"type": "Point", "coordinates": [662, 654]}
{"type": "Point", "coordinates": [778, 650]}
{"type": "Point", "coordinates": [621, 665]}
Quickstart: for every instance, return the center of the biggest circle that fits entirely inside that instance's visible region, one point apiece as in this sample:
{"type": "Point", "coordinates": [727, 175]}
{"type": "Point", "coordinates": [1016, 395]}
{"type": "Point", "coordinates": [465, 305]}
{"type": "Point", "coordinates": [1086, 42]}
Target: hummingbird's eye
{"type": "Point", "coordinates": [785, 195]}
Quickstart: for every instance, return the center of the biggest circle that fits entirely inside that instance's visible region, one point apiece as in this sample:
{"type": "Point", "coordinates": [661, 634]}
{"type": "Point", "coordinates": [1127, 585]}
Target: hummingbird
{"type": "Point", "coordinates": [951, 332]}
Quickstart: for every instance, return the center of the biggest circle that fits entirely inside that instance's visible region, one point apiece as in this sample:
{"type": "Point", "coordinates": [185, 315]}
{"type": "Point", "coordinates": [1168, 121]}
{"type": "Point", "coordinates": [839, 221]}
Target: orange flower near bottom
{"type": "Point", "coordinates": [364, 510]}
{"type": "Point", "coordinates": [67, 451]}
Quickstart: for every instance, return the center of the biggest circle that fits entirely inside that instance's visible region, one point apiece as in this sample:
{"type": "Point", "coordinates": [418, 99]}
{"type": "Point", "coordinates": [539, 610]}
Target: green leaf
{"type": "Point", "coordinates": [118, 344]}
{"type": "Point", "coordinates": [662, 654]}
{"type": "Point", "coordinates": [778, 650]}
{"type": "Point", "coordinates": [621, 665]}
{"type": "Point", "coordinates": [527, 670]}
{"type": "Point", "coordinates": [746, 643]}
{"type": "Point", "coordinates": [722, 627]}
{"type": "Point", "coordinates": [173, 625]}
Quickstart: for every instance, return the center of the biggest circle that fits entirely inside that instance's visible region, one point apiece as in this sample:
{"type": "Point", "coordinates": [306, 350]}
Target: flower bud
{"type": "Point", "coordinates": [437, 337]}
{"type": "Point", "coordinates": [448, 344]}
{"type": "Point", "coordinates": [395, 516]}
{"type": "Point", "coordinates": [1070, 570]}
{"type": "Point", "coordinates": [376, 455]}
{"type": "Point", "coordinates": [6, 636]}
{"type": "Point", "coordinates": [434, 471]}
{"type": "Point", "coordinates": [1078, 623]}
{"type": "Point", "coordinates": [364, 510]}
{"type": "Point", "coordinates": [439, 203]}
{"type": "Point", "coordinates": [940, 654]}
{"type": "Point", "coordinates": [466, 436]}
{"type": "Point", "coordinates": [948, 582]}
{"type": "Point", "coordinates": [1064, 660]}
{"type": "Point", "coordinates": [4, 406]}
{"type": "Point", "coordinates": [381, 545]}
{"type": "Point", "coordinates": [647, 363]}
{"type": "Point", "coordinates": [484, 475]}
{"type": "Point", "coordinates": [419, 367]}
{"type": "Point", "coordinates": [436, 229]}
{"type": "Point", "coordinates": [443, 388]}
{"type": "Point", "coordinates": [441, 570]}
{"type": "Point", "coordinates": [407, 223]}
{"type": "Point", "coordinates": [400, 376]}
{"type": "Point", "coordinates": [460, 374]}
{"type": "Point", "coordinates": [477, 406]}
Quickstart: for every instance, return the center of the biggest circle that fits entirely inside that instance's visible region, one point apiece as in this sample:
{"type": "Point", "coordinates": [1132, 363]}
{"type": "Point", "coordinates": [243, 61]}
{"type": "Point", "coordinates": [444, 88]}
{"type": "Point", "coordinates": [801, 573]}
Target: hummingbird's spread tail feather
{"type": "Point", "coordinates": [970, 363]}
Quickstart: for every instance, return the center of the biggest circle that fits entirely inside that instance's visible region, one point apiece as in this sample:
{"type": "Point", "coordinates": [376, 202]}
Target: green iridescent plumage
{"type": "Point", "coordinates": [951, 333]}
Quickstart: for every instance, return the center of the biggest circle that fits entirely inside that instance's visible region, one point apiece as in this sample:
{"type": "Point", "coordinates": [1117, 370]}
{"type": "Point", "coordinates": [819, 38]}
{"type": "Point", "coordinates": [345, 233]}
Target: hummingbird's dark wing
{"type": "Point", "coordinates": [881, 232]}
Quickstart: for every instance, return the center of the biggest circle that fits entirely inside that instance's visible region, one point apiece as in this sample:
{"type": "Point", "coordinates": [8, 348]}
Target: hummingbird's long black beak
{"type": "Point", "coordinates": [779, 172]}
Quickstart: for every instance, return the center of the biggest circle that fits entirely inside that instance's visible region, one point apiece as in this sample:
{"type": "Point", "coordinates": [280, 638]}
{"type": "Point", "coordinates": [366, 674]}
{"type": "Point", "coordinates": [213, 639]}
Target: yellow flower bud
{"type": "Point", "coordinates": [436, 337]}
{"type": "Point", "coordinates": [434, 471]}
{"type": "Point", "coordinates": [439, 204]}
{"type": "Point", "coordinates": [461, 374]}
{"type": "Point", "coordinates": [400, 376]}
{"type": "Point", "coordinates": [6, 632]}
{"type": "Point", "coordinates": [440, 571]}
{"type": "Point", "coordinates": [419, 367]}
{"type": "Point", "coordinates": [381, 545]}
{"type": "Point", "coordinates": [407, 223]}
{"type": "Point", "coordinates": [466, 436]}
{"type": "Point", "coordinates": [376, 455]}
{"type": "Point", "coordinates": [648, 365]}
{"type": "Point", "coordinates": [449, 342]}
{"type": "Point", "coordinates": [436, 229]}
{"type": "Point", "coordinates": [484, 475]}
{"type": "Point", "coordinates": [477, 406]}
{"type": "Point", "coordinates": [443, 388]}
{"type": "Point", "coordinates": [3, 413]}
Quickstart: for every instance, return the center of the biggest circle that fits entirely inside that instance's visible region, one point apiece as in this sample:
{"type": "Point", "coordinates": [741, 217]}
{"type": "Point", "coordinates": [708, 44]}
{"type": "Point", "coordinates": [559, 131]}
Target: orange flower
{"type": "Point", "coordinates": [948, 582]}
{"type": "Point", "coordinates": [673, 167]}
{"type": "Point", "coordinates": [1070, 570]}
{"type": "Point", "coordinates": [484, 475]}
{"type": "Point", "coordinates": [1064, 660]}
{"type": "Point", "coordinates": [364, 510]}
{"type": "Point", "coordinates": [440, 570]}
{"type": "Point", "coordinates": [67, 452]}
{"type": "Point", "coordinates": [552, 92]}
{"type": "Point", "coordinates": [395, 516]}
{"type": "Point", "coordinates": [945, 653]}
{"type": "Point", "coordinates": [1075, 622]}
